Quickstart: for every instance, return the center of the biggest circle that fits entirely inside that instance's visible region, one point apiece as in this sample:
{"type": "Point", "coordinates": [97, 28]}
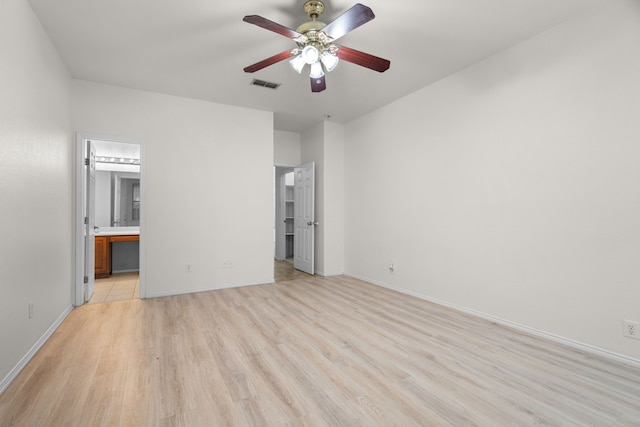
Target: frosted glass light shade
{"type": "Point", "coordinates": [330, 61]}
{"type": "Point", "coordinates": [316, 71]}
{"type": "Point", "coordinates": [297, 63]}
{"type": "Point", "coordinates": [310, 54]}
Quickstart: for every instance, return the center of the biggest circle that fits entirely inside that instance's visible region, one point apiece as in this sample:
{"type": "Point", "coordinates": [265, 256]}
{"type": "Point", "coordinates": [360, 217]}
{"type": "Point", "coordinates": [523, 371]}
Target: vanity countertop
{"type": "Point", "coordinates": [118, 231]}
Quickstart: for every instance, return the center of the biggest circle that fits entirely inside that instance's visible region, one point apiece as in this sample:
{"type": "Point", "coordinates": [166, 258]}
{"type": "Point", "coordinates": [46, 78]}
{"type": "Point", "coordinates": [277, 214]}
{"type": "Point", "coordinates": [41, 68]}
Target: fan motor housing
{"type": "Point", "coordinates": [305, 27]}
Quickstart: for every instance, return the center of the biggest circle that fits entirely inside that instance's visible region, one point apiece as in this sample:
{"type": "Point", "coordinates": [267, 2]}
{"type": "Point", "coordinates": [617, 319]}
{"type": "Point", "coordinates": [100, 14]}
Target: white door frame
{"type": "Point", "coordinates": [89, 205]}
{"type": "Point", "coordinates": [78, 294]}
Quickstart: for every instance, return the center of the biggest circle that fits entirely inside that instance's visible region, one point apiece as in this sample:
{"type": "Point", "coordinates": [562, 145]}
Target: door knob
{"type": "Point", "coordinates": [313, 223]}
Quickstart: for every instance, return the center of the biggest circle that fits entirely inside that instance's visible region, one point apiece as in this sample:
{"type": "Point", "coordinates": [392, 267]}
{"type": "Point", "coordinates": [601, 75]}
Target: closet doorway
{"type": "Point", "coordinates": [285, 203]}
{"type": "Point", "coordinates": [295, 223]}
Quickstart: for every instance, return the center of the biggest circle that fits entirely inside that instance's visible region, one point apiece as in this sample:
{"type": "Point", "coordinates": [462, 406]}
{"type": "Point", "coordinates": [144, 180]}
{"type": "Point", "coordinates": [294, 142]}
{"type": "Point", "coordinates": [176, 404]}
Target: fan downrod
{"type": "Point", "coordinates": [314, 8]}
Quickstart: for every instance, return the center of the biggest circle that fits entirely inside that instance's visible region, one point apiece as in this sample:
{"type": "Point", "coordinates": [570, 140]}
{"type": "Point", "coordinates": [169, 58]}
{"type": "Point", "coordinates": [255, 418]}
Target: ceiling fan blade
{"type": "Point", "coordinates": [348, 21]}
{"type": "Point", "coordinates": [271, 26]}
{"type": "Point", "coordinates": [318, 84]}
{"type": "Point", "coordinates": [363, 59]}
{"type": "Point", "coordinates": [269, 61]}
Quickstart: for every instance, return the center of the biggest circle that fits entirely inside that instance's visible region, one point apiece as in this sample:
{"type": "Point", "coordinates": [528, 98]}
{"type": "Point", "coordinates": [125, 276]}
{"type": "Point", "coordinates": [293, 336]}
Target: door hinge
{"type": "Point", "coordinates": [86, 220]}
{"type": "Point", "coordinates": [86, 279]}
{"type": "Point", "coordinates": [86, 162]}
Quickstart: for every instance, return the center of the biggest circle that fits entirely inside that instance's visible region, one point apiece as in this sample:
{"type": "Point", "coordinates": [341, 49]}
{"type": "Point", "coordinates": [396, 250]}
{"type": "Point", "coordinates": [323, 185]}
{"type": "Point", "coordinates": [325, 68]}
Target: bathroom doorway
{"type": "Point", "coordinates": [109, 219]}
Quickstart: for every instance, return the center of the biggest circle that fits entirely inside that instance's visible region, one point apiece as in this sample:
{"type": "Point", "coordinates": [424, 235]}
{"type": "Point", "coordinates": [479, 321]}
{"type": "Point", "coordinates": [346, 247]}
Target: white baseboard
{"type": "Point", "coordinates": [556, 338]}
{"type": "Point", "coordinates": [133, 270]}
{"type": "Point", "coordinates": [327, 274]}
{"type": "Point", "coordinates": [206, 289]}
{"type": "Point", "coordinates": [27, 357]}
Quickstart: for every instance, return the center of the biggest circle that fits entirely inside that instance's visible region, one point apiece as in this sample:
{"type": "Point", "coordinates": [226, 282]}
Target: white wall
{"type": "Point", "coordinates": [208, 180]}
{"type": "Point", "coordinates": [312, 150]}
{"type": "Point", "coordinates": [324, 145]}
{"type": "Point", "coordinates": [333, 199]}
{"type": "Point", "coordinates": [36, 254]}
{"type": "Point", "coordinates": [286, 148]}
{"type": "Point", "coordinates": [511, 188]}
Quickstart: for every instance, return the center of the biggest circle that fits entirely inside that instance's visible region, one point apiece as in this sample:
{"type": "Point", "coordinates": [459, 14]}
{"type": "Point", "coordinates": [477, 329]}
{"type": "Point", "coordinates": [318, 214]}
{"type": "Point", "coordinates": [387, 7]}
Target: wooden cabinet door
{"type": "Point", "coordinates": [102, 266]}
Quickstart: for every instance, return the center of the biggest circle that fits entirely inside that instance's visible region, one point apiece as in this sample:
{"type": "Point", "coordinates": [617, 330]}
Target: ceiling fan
{"type": "Point", "coordinates": [316, 46]}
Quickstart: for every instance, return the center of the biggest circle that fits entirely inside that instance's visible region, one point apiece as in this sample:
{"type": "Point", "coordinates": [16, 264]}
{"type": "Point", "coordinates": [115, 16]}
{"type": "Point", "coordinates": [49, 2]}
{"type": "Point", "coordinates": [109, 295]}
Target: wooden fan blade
{"type": "Point", "coordinates": [271, 26]}
{"type": "Point", "coordinates": [363, 59]}
{"type": "Point", "coordinates": [348, 21]}
{"type": "Point", "coordinates": [318, 84]}
{"type": "Point", "coordinates": [269, 61]}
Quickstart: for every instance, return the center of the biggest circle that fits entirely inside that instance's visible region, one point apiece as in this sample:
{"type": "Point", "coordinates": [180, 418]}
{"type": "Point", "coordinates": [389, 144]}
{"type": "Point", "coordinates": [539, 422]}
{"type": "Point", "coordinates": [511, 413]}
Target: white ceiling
{"type": "Point", "coordinates": [198, 48]}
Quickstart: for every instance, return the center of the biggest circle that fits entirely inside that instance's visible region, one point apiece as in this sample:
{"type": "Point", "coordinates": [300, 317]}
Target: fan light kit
{"type": "Point", "coordinates": [118, 160]}
{"type": "Point", "coordinates": [316, 46]}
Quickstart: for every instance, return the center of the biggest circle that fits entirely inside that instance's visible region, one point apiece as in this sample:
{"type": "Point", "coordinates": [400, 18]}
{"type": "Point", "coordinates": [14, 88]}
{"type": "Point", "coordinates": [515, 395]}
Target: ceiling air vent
{"type": "Point", "coordinates": [263, 83]}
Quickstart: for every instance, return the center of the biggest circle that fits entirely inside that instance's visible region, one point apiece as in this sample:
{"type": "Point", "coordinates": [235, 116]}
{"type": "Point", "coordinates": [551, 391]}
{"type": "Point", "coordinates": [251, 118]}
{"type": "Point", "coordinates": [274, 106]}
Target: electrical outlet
{"type": "Point", "coordinates": [188, 268]}
{"type": "Point", "coordinates": [392, 268]}
{"type": "Point", "coordinates": [227, 264]}
{"type": "Point", "coordinates": [30, 309]}
{"type": "Point", "coordinates": [631, 329]}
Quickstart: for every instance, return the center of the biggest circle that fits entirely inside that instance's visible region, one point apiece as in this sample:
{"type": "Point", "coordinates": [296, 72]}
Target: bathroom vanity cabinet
{"type": "Point", "coordinates": [103, 252]}
{"type": "Point", "coordinates": [103, 257]}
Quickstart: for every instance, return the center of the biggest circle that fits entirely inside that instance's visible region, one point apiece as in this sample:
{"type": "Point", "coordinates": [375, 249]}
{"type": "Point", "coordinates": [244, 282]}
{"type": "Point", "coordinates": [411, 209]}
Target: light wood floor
{"type": "Point", "coordinates": [311, 352]}
{"type": "Point", "coordinates": [125, 286]}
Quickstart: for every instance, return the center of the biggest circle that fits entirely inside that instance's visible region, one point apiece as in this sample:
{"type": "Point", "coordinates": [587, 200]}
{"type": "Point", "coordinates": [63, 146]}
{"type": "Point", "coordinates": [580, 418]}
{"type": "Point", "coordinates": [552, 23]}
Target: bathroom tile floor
{"type": "Point", "coordinates": [117, 287]}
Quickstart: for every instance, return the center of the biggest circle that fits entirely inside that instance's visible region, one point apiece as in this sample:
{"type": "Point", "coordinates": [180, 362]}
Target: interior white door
{"type": "Point", "coordinates": [90, 220]}
{"type": "Point", "coordinates": [304, 223]}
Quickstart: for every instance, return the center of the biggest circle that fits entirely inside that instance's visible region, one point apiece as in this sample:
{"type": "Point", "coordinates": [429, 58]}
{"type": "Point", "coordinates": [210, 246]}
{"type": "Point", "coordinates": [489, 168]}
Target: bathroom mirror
{"type": "Point", "coordinates": [117, 199]}
{"type": "Point", "coordinates": [117, 184]}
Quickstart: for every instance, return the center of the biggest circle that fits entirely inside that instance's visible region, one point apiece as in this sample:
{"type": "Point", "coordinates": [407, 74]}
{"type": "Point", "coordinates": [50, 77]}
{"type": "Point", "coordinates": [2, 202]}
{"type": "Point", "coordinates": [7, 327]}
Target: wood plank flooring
{"type": "Point", "coordinates": [125, 286]}
{"type": "Point", "coordinates": [309, 352]}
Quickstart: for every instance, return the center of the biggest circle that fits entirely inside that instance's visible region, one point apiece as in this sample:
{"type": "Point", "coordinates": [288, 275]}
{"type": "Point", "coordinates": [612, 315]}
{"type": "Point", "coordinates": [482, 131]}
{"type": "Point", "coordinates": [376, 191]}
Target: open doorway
{"type": "Point", "coordinates": [283, 231]}
{"type": "Point", "coordinates": [284, 200]}
{"type": "Point", "coordinates": [109, 220]}
{"type": "Point", "coordinates": [294, 220]}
